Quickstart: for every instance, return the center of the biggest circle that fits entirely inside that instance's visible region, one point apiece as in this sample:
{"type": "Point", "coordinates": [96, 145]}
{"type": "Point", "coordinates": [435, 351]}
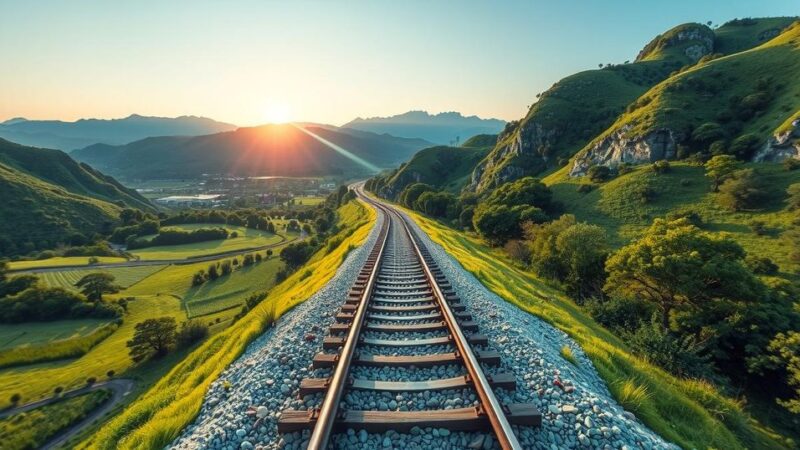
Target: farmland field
{"type": "Point", "coordinates": [308, 201]}
{"type": "Point", "coordinates": [61, 261]}
{"type": "Point", "coordinates": [14, 335]}
{"type": "Point", "coordinates": [247, 238]}
{"type": "Point", "coordinates": [124, 276]}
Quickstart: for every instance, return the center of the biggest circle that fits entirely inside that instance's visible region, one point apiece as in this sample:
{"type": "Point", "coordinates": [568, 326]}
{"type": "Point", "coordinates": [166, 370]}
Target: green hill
{"type": "Point", "coordinates": [47, 197]}
{"type": "Point", "coordinates": [731, 104]}
{"type": "Point", "coordinates": [447, 168]}
{"type": "Point", "coordinates": [576, 109]}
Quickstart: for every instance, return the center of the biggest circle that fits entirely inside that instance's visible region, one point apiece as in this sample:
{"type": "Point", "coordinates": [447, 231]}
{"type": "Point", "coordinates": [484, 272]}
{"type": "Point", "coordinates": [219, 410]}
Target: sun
{"type": "Point", "coordinates": [277, 113]}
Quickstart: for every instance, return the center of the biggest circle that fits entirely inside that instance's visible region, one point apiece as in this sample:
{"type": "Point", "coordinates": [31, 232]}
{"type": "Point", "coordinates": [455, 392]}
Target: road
{"type": "Point", "coordinates": [158, 262]}
{"type": "Point", "coordinates": [119, 388]}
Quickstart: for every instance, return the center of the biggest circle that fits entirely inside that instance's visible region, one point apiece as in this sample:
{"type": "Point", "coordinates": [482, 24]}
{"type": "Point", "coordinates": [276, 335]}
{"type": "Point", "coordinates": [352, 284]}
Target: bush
{"type": "Point", "coordinates": [295, 255]}
{"type": "Point", "coordinates": [743, 190]}
{"type": "Point", "coordinates": [745, 145]}
{"type": "Point", "coordinates": [584, 188]}
{"type": "Point", "coordinates": [190, 333]}
{"type": "Point", "coordinates": [46, 304]}
{"type": "Point", "coordinates": [681, 355]}
{"type": "Point", "coordinates": [661, 167]}
{"type": "Point", "coordinates": [91, 380]}
{"type": "Point", "coordinates": [761, 265]}
{"type": "Point", "coordinates": [199, 278]}
{"type": "Point", "coordinates": [599, 174]}
{"type": "Point", "coordinates": [759, 228]}
{"type": "Point", "coordinates": [790, 164]}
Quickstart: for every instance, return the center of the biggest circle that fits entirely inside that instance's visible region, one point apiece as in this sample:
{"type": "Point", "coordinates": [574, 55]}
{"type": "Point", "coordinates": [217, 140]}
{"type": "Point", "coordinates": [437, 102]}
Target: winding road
{"type": "Point", "coordinates": [119, 388]}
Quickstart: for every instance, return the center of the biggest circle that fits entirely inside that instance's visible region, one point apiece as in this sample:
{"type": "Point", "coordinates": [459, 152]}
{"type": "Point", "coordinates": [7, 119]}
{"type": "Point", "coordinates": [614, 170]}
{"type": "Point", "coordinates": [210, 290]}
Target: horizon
{"type": "Point", "coordinates": [111, 61]}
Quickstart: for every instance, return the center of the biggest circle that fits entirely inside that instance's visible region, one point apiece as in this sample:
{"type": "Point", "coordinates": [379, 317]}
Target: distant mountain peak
{"type": "Point", "coordinates": [442, 128]}
{"type": "Point", "coordinates": [14, 120]}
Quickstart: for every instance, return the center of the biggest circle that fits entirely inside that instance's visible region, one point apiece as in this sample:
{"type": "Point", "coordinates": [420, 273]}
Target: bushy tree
{"type": "Point", "coordinates": [599, 173]}
{"type": "Point", "coordinates": [677, 266]}
{"type": "Point", "coordinates": [525, 191]}
{"type": "Point", "coordinates": [719, 168]}
{"type": "Point", "coordinates": [295, 255]}
{"type": "Point", "coordinates": [153, 337]}
{"type": "Point", "coordinates": [785, 354]}
{"type": "Point", "coordinates": [436, 204]}
{"type": "Point", "coordinates": [411, 193]}
{"type": "Point", "coordinates": [745, 145]}
{"type": "Point", "coordinates": [191, 331]}
{"type": "Point", "coordinates": [94, 285]}
{"type": "Point", "coordinates": [707, 133]}
{"type": "Point", "coordinates": [744, 189]}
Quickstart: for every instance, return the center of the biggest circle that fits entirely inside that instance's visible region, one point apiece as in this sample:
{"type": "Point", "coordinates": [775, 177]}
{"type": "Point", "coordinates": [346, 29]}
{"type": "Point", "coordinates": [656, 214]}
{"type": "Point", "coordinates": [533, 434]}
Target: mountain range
{"type": "Point", "coordinates": [48, 197]}
{"type": "Point", "coordinates": [289, 150]}
{"type": "Point", "coordinates": [443, 128]}
{"type": "Point", "coordinates": [68, 136]}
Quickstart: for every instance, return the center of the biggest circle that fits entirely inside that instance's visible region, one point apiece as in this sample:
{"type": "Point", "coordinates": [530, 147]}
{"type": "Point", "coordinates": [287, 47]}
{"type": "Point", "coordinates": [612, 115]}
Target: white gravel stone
{"type": "Point", "coordinates": [269, 372]}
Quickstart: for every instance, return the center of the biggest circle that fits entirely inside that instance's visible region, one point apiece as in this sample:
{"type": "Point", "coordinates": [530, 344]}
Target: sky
{"type": "Point", "coordinates": [253, 62]}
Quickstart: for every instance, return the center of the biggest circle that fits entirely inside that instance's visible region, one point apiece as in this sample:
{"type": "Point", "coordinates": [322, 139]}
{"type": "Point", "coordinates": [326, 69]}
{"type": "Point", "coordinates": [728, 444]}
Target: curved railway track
{"type": "Point", "coordinates": [403, 319]}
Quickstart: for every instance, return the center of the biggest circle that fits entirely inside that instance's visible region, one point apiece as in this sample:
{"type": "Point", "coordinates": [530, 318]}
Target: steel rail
{"type": "Point", "coordinates": [489, 402]}
{"type": "Point", "coordinates": [330, 404]}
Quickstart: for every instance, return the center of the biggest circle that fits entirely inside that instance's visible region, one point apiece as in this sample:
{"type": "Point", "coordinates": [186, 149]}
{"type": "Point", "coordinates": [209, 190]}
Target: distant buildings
{"type": "Point", "coordinates": [191, 201]}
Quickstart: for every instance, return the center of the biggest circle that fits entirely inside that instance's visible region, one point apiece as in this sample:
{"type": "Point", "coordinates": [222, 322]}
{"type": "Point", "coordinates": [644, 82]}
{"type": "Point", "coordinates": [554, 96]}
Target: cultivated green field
{"type": "Point", "coordinates": [308, 201]}
{"type": "Point", "coordinates": [124, 276]}
{"type": "Point", "coordinates": [61, 261]}
{"type": "Point", "coordinates": [247, 238]}
{"type": "Point", "coordinates": [15, 335]}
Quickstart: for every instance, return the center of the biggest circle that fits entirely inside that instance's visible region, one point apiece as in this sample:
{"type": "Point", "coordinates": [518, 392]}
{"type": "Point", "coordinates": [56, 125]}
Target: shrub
{"type": "Point", "coordinates": [58, 390]}
{"type": "Point", "coordinates": [761, 265]}
{"type": "Point", "coordinates": [791, 164]}
{"type": "Point", "coordinates": [91, 380]}
{"type": "Point", "coordinates": [518, 251]}
{"type": "Point", "coordinates": [584, 188]}
{"type": "Point", "coordinates": [745, 145]}
{"type": "Point", "coordinates": [661, 166]}
{"type": "Point", "coordinates": [199, 278]}
{"type": "Point", "coordinates": [191, 332]}
{"type": "Point", "coordinates": [681, 355]}
{"type": "Point", "coordinates": [111, 373]}
{"type": "Point", "coordinates": [599, 174]}
{"type": "Point", "coordinates": [759, 228]}
{"type": "Point", "coordinates": [743, 190]}
{"type": "Point", "coordinates": [15, 398]}
{"type": "Point", "coordinates": [226, 267]}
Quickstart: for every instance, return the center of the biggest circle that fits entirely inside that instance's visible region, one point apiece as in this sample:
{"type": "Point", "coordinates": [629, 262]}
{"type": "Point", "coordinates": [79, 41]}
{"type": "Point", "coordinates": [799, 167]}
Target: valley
{"type": "Point", "coordinates": [613, 263]}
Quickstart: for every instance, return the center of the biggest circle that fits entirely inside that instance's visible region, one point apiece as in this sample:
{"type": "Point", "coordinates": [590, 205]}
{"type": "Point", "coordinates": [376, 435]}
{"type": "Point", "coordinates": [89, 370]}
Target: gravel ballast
{"type": "Point", "coordinates": [581, 414]}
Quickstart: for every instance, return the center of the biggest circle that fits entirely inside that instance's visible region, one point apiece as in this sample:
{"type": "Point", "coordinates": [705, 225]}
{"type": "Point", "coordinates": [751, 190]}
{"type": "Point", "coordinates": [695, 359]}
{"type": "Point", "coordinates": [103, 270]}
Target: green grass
{"type": "Point", "coordinates": [684, 100]}
{"type": "Point", "coordinates": [35, 381]}
{"type": "Point", "coordinates": [51, 351]}
{"type": "Point", "coordinates": [617, 207]}
{"type": "Point", "coordinates": [61, 261]}
{"type": "Point", "coordinates": [308, 201]}
{"type": "Point", "coordinates": [690, 413]}
{"type": "Point", "coordinates": [567, 354]}
{"type": "Point", "coordinates": [447, 168]}
{"type": "Point", "coordinates": [734, 38]}
{"type": "Point", "coordinates": [248, 238]}
{"type": "Point", "coordinates": [34, 428]}
{"type": "Point", "coordinates": [36, 333]}
{"type": "Point", "coordinates": [157, 417]}
{"type": "Point", "coordinates": [123, 276]}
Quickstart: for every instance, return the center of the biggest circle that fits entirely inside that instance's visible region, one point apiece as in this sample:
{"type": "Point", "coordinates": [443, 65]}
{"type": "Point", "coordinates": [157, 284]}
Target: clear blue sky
{"type": "Point", "coordinates": [249, 62]}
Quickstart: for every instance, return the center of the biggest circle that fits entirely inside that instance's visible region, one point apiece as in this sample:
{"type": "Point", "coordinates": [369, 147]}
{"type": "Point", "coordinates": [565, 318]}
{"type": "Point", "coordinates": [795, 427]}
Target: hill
{"type": "Point", "coordinates": [571, 114]}
{"type": "Point", "coordinates": [744, 104]}
{"type": "Point", "coordinates": [446, 168]}
{"type": "Point", "coordinates": [288, 150]}
{"type": "Point", "coordinates": [47, 197]}
{"type": "Point", "coordinates": [71, 135]}
{"type": "Point", "coordinates": [442, 128]}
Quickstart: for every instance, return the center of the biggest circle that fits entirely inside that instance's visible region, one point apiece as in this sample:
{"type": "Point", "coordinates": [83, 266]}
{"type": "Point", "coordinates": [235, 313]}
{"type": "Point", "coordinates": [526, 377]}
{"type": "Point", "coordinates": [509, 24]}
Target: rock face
{"type": "Point", "coordinates": [528, 147]}
{"type": "Point", "coordinates": [617, 148]}
{"type": "Point", "coordinates": [704, 45]}
{"type": "Point", "coordinates": [781, 146]}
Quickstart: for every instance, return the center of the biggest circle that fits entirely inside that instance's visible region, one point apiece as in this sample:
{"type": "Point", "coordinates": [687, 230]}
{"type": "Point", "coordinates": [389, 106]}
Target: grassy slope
{"type": "Point", "coordinates": [689, 413]}
{"type": "Point", "coordinates": [677, 104]}
{"type": "Point", "coordinates": [248, 238]}
{"type": "Point", "coordinates": [157, 417]}
{"type": "Point", "coordinates": [14, 335]}
{"type": "Point", "coordinates": [579, 106]}
{"type": "Point", "coordinates": [615, 206]}
{"type": "Point", "coordinates": [33, 428]}
{"type": "Point", "coordinates": [736, 37]}
{"type": "Point", "coordinates": [448, 168]}
{"type": "Point", "coordinates": [39, 380]}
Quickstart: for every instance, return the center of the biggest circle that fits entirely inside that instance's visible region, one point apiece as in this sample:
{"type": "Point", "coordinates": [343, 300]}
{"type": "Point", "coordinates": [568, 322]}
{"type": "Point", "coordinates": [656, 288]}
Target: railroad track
{"type": "Point", "coordinates": [402, 331]}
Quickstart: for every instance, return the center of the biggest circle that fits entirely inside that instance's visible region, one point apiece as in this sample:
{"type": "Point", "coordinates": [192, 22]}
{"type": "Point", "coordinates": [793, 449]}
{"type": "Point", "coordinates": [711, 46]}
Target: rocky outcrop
{"type": "Point", "coordinates": [618, 148]}
{"type": "Point", "coordinates": [699, 37]}
{"type": "Point", "coordinates": [781, 146]}
{"type": "Point", "coordinates": [511, 159]}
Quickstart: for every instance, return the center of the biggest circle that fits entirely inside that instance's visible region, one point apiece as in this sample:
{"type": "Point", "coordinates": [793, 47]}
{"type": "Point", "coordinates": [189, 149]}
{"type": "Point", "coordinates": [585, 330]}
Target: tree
{"type": "Point", "coordinates": [707, 133]}
{"type": "Point", "coordinates": [744, 189]}
{"type": "Point", "coordinates": [793, 196]}
{"type": "Point", "coordinates": [583, 250]}
{"type": "Point", "coordinates": [598, 173]}
{"type": "Point", "coordinates": [497, 223]}
{"type": "Point", "coordinates": [294, 255]}
{"type": "Point", "coordinates": [744, 146]}
{"type": "Point", "coordinates": [153, 337]}
{"type": "Point", "coordinates": [213, 271]}
{"type": "Point", "coordinates": [525, 191]}
{"type": "Point", "coordinates": [94, 285]}
{"type": "Point", "coordinates": [677, 266]}
{"type": "Point", "coordinates": [785, 350]}
{"type": "Point", "coordinates": [719, 168]}
{"type": "Point", "coordinates": [411, 193]}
